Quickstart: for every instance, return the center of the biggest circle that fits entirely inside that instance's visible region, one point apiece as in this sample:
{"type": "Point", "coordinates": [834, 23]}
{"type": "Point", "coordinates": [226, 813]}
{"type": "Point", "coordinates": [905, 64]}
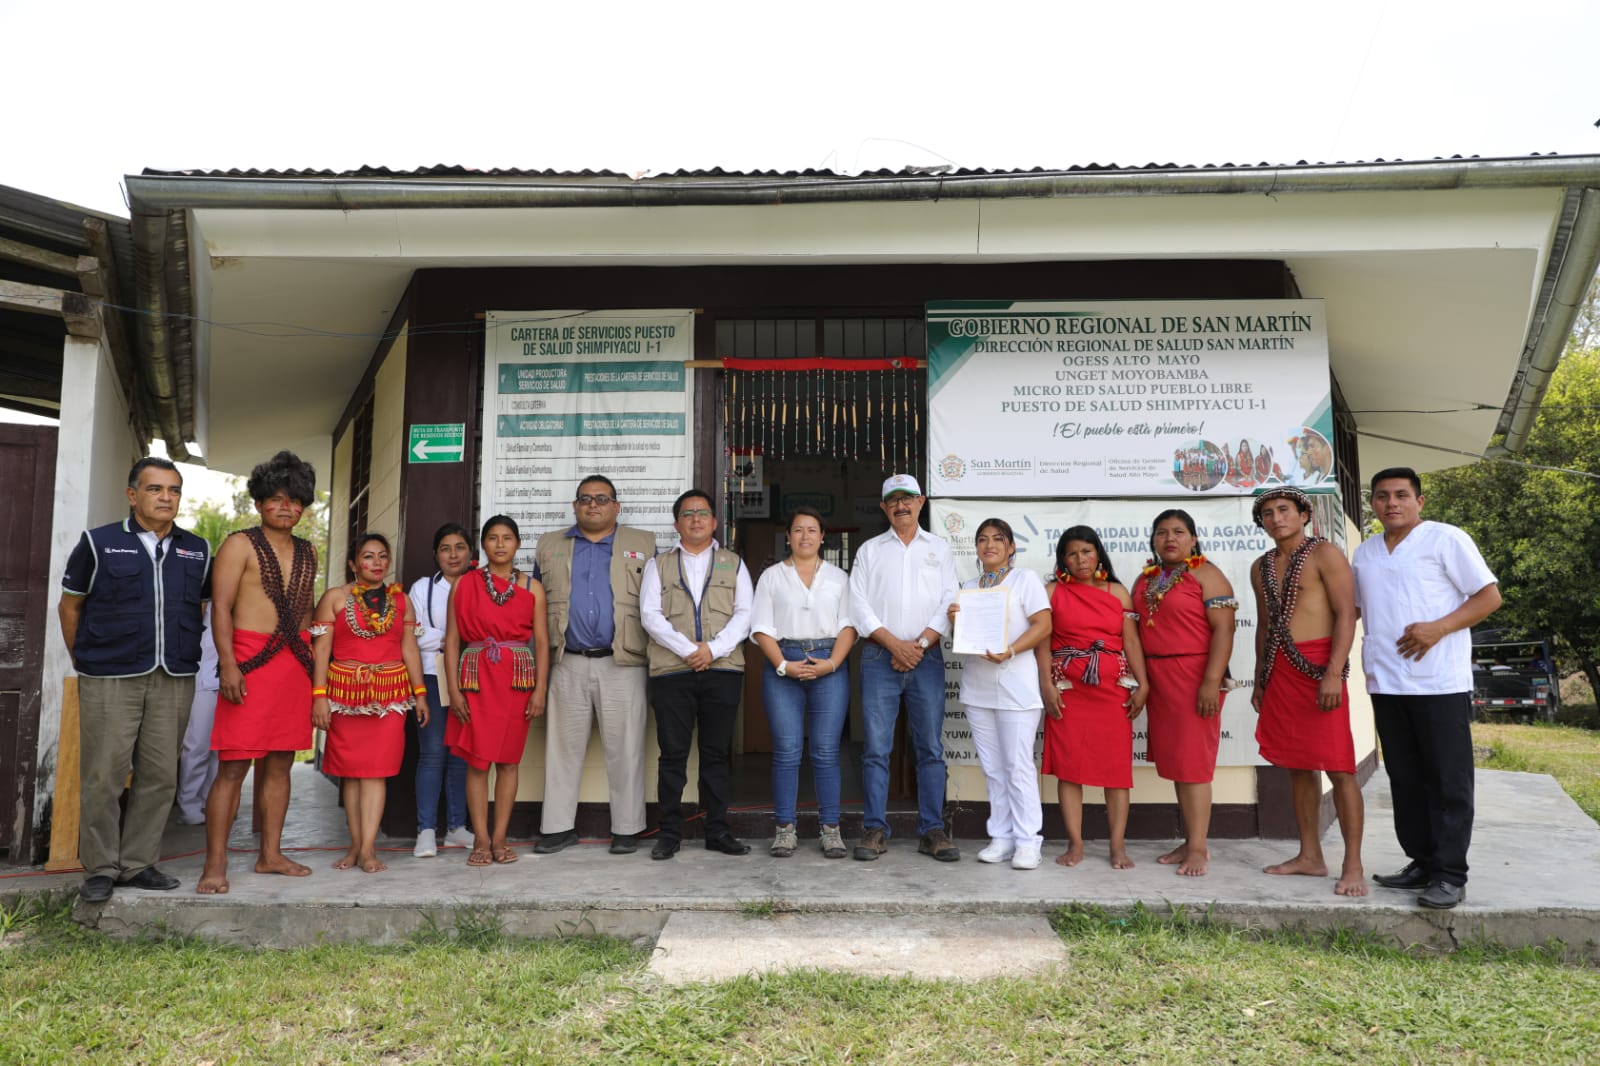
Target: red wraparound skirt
{"type": "Point", "coordinates": [1292, 731]}
{"type": "Point", "coordinates": [1182, 745]}
{"type": "Point", "coordinates": [276, 712]}
{"type": "Point", "coordinates": [365, 745]}
{"type": "Point", "coordinates": [1092, 742]}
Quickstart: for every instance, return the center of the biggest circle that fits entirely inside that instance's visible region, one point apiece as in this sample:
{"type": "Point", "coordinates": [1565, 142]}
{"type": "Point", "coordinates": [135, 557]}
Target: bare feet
{"type": "Point", "coordinates": [213, 882]}
{"type": "Point", "coordinates": [1352, 880]}
{"type": "Point", "coordinates": [1071, 857]}
{"type": "Point", "coordinates": [281, 865]}
{"type": "Point", "coordinates": [1196, 861]}
{"type": "Point", "coordinates": [346, 861]}
{"type": "Point", "coordinates": [1120, 860]}
{"type": "Point", "coordinates": [1176, 855]}
{"type": "Point", "coordinates": [1301, 865]}
{"type": "Point", "coordinates": [370, 863]}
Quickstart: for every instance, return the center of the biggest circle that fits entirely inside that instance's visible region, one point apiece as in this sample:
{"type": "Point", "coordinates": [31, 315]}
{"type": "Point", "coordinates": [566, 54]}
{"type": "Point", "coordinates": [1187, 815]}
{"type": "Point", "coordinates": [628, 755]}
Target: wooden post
{"type": "Point", "coordinates": [64, 808]}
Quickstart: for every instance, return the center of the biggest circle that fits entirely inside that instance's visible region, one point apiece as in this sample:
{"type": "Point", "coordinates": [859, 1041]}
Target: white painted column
{"type": "Point", "coordinates": [94, 450]}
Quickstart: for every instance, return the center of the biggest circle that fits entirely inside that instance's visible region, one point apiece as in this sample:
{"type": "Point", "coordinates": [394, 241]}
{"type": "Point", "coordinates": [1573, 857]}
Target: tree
{"type": "Point", "coordinates": [214, 521]}
{"type": "Point", "coordinates": [1538, 528]}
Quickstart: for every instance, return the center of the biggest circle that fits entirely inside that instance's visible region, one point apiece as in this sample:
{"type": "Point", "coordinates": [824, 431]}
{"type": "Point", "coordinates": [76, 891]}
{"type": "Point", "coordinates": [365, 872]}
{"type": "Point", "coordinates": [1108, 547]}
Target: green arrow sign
{"type": "Point", "coordinates": [437, 442]}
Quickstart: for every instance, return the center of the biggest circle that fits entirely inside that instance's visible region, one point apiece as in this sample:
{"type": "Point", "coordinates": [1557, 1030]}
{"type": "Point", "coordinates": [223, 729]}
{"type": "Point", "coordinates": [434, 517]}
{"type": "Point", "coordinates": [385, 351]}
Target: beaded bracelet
{"type": "Point", "coordinates": [418, 690]}
{"type": "Point", "coordinates": [318, 692]}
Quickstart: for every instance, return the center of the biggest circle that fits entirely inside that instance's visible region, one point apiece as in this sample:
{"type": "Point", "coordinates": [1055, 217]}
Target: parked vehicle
{"type": "Point", "coordinates": [1513, 677]}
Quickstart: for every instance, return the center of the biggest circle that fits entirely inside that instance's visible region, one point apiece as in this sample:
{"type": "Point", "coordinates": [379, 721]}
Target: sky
{"type": "Point", "coordinates": [114, 88]}
{"type": "Point", "coordinates": [649, 88]}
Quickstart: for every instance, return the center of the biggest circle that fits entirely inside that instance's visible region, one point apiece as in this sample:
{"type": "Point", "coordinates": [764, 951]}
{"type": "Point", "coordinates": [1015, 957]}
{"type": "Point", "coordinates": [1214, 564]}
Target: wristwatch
{"type": "Point", "coordinates": [783, 668]}
{"type": "Point", "coordinates": [922, 642]}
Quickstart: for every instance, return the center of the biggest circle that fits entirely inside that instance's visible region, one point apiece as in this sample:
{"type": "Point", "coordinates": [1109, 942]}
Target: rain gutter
{"type": "Point", "coordinates": [153, 198]}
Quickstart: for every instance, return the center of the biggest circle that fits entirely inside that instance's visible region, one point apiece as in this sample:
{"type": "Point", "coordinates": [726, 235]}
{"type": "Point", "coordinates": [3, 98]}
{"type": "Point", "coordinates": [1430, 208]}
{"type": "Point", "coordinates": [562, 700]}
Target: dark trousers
{"type": "Point", "coordinates": [1427, 751]}
{"type": "Point", "coordinates": [708, 699]}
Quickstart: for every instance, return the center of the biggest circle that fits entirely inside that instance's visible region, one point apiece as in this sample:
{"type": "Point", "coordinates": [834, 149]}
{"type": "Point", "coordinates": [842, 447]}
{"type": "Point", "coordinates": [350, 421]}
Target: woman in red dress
{"type": "Point", "coordinates": [1088, 734]}
{"type": "Point", "coordinates": [367, 674]}
{"type": "Point", "coordinates": [496, 665]}
{"type": "Point", "coordinates": [1186, 608]}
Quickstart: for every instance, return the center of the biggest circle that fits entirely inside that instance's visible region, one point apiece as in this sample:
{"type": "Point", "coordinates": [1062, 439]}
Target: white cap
{"type": "Point", "coordinates": [901, 483]}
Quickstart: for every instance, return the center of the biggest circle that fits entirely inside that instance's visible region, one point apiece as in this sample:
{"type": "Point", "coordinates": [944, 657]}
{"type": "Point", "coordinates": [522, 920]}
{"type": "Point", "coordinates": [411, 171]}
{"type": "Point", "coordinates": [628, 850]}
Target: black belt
{"type": "Point", "coordinates": [590, 653]}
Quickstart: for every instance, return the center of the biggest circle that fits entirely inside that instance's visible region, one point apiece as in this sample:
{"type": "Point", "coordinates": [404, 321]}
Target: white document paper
{"type": "Point", "coordinates": [981, 622]}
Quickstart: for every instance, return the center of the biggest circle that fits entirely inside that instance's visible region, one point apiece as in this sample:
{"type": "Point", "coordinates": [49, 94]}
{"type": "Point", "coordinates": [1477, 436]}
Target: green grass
{"type": "Point", "coordinates": [1571, 756]}
{"type": "Point", "coordinates": [1135, 989]}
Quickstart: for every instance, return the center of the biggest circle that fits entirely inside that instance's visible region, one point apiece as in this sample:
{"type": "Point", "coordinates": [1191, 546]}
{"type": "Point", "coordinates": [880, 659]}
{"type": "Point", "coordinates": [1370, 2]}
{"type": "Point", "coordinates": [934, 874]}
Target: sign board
{"type": "Point", "coordinates": [1227, 535]}
{"type": "Point", "coordinates": [573, 393]}
{"type": "Point", "coordinates": [1127, 398]}
{"type": "Point", "coordinates": [436, 442]}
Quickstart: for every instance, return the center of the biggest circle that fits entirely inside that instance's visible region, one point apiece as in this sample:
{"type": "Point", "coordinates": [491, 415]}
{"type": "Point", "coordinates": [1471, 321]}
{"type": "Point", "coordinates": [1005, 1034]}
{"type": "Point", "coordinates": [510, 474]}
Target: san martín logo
{"type": "Point", "coordinates": [954, 523]}
{"type": "Point", "coordinates": [951, 467]}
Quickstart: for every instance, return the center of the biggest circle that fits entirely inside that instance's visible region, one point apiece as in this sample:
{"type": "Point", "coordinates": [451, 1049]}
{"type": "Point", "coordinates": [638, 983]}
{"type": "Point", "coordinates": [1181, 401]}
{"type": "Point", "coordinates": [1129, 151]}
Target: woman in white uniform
{"type": "Point", "coordinates": [1000, 691]}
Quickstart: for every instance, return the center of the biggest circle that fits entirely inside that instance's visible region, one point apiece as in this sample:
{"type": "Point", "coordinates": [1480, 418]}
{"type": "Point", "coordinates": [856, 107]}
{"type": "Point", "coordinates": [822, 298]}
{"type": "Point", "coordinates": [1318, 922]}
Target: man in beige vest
{"type": "Point", "coordinates": [695, 604]}
{"type": "Point", "coordinates": [591, 573]}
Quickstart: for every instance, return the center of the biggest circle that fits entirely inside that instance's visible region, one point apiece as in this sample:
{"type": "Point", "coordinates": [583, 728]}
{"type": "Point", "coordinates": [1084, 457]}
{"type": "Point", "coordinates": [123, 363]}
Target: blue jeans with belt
{"type": "Point", "coordinates": [882, 687]}
{"type": "Point", "coordinates": [792, 707]}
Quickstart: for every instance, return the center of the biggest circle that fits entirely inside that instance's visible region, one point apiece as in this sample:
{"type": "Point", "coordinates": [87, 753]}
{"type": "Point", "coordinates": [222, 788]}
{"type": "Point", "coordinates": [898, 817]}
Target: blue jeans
{"type": "Point", "coordinates": [881, 689]}
{"type": "Point", "coordinates": [436, 767]}
{"type": "Point", "coordinates": [790, 703]}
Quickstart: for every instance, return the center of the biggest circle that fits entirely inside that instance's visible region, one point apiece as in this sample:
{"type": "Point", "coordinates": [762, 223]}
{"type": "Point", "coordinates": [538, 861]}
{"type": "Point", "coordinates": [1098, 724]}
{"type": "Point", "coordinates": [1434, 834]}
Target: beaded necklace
{"type": "Point", "coordinates": [370, 610]}
{"type": "Point", "coordinates": [991, 578]}
{"type": "Point", "coordinates": [1280, 602]}
{"type": "Point", "coordinates": [500, 598]}
{"type": "Point", "coordinates": [1160, 580]}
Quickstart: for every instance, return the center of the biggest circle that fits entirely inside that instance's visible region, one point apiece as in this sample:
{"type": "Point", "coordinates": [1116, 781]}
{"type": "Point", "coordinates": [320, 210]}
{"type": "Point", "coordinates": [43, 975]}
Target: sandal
{"type": "Point", "coordinates": [479, 857]}
{"type": "Point", "coordinates": [504, 854]}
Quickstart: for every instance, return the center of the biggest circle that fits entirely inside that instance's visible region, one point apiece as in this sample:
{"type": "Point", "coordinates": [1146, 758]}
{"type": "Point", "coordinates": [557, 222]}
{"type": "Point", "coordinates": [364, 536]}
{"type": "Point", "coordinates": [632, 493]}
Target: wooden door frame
{"type": "Point", "coordinates": [19, 804]}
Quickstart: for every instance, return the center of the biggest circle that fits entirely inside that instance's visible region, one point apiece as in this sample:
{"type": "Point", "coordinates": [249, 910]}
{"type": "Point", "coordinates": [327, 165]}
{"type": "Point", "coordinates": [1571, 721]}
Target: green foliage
{"type": "Point", "coordinates": [1538, 529]}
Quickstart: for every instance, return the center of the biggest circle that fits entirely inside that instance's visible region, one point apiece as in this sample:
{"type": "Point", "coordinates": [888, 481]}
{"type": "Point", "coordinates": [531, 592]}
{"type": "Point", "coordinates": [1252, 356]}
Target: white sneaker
{"type": "Point", "coordinates": [460, 836]}
{"type": "Point", "coordinates": [427, 847]}
{"type": "Point", "coordinates": [1026, 857]}
{"type": "Point", "coordinates": [997, 851]}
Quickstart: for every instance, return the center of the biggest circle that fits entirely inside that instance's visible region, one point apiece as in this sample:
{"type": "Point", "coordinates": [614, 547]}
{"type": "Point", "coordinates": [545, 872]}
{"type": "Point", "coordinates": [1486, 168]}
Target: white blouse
{"type": "Point", "coordinates": [1014, 684]}
{"type": "Point", "coordinates": [785, 609]}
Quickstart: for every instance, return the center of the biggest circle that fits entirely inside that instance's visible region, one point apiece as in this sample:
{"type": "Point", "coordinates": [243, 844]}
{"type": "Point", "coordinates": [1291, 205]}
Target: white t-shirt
{"type": "Point", "coordinates": [431, 642]}
{"type": "Point", "coordinates": [1014, 684]}
{"type": "Point", "coordinates": [786, 610]}
{"type": "Point", "coordinates": [1430, 573]}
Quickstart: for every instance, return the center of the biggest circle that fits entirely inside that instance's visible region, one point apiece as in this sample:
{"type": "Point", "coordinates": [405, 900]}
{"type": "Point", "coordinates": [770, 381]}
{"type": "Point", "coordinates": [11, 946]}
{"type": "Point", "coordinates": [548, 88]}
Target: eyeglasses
{"type": "Point", "coordinates": [601, 499]}
{"type": "Point", "coordinates": [699, 512]}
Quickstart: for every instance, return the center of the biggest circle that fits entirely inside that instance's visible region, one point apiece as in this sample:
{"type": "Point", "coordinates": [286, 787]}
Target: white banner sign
{"type": "Point", "coordinates": [1127, 398]}
{"type": "Point", "coordinates": [1227, 535]}
{"type": "Point", "coordinates": [573, 393]}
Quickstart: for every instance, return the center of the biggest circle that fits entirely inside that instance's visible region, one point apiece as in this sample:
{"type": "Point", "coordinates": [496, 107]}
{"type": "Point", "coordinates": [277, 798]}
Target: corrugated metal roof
{"type": "Point", "coordinates": [456, 172]}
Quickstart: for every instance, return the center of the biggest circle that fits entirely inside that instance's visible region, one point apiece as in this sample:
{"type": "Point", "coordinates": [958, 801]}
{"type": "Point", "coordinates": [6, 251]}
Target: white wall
{"type": "Point", "coordinates": [95, 448]}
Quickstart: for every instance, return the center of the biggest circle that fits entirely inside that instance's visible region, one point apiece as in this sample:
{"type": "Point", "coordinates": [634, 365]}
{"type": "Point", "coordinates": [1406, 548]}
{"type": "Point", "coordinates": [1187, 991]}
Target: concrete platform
{"type": "Point", "coordinates": [1536, 877]}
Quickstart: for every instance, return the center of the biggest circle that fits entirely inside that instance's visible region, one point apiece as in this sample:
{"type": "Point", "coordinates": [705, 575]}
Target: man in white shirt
{"type": "Point", "coordinates": [901, 586]}
{"type": "Point", "coordinates": [694, 602]}
{"type": "Point", "coordinates": [1420, 588]}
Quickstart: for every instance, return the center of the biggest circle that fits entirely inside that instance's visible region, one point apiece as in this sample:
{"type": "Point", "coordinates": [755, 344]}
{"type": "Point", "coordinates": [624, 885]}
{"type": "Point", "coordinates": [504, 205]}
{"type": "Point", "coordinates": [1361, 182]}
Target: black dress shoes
{"type": "Point", "coordinates": [150, 879]}
{"type": "Point", "coordinates": [1413, 877]}
{"type": "Point", "coordinates": [554, 842]}
{"type": "Point", "coordinates": [95, 889]}
{"type": "Point", "coordinates": [664, 848]}
{"type": "Point", "coordinates": [624, 843]}
{"type": "Point", "coordinates": [728, 844]}
{"type": "Point", "coordinates": [1442, 895]}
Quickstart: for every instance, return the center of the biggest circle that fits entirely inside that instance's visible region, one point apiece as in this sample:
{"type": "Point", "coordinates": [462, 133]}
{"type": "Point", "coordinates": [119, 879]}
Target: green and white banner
{"type": "Point", "coordinates": [573, 393]}
{"type": "Point", "coordinates": [1228, 536]}
{"type": "Point", "coordinates": [1127, 398]}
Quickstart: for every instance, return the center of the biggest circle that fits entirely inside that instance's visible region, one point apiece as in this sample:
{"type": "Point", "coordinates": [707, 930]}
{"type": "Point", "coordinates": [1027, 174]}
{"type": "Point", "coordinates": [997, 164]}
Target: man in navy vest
{"type": "Point", "coordinates": [131, 614]}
